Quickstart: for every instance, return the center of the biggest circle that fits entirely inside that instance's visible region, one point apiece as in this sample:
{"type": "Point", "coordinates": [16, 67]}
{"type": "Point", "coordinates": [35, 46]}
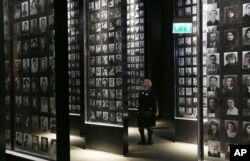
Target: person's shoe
{"type": "Point", "coordinates": [142, 142]}
{"type": "Point", "coordinates": [150, 142]}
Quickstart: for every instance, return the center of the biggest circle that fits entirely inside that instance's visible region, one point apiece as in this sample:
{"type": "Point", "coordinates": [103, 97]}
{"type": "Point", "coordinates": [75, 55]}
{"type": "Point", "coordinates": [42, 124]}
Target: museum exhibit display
{"type": "Point", "coordinates": [226, 50]}
{"type": "Point", "coordinates": [30, 77]}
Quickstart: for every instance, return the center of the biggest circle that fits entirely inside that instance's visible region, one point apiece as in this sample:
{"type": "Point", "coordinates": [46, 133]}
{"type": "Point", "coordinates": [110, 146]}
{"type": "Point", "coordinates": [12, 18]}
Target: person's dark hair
{"type": "Point", "coordinates": [212, 56]}
{"type": "Point", "coordinates": [214, 11]}
{"type": "Point", "coordinates": [213, 77]}
{"type": "Point", "coordinates": [247, 5]}
{"type": "Point", "coordinates": [233, 124]}
{"type": "Point", "coordinates": [245, 130]}
{"type": "Point", "coordinates": [247, 30]}
{"type": "Point", "coordinates": [247, 54]}
{"type": "Point", "coordinates": [231, 55]}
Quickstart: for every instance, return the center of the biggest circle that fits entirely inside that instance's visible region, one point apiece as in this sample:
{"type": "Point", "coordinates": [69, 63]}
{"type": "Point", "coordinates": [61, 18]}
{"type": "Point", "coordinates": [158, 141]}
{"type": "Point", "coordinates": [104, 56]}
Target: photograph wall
{"type": "Point", "coordinates": [30, 77]}
{"type": "Point", "coordinates": [135, 50]}
{"type": "Point", "coordinates": [75, 48]}
{"type": "Point", "coordinates": [226, 35]}
{"type": "Point", "coordinates": [106, 57]}
{"type": "Point", "coordinates": [186, 63]}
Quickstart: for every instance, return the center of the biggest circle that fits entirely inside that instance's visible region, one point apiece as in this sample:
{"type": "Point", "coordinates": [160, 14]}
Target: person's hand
{"type": "Point", "coordinates": [156, 114]}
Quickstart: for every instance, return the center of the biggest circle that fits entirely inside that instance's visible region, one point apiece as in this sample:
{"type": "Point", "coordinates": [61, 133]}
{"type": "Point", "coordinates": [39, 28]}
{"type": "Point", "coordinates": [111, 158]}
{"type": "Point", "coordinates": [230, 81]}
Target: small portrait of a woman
{"type": "Point", "coordinates": [231, 15]}
{"type": "Point", "coordinates": [246, 132]}
{"type": "Point", "coordinates": [231, 128]}
{"type": "Point", "coordinates": [213, 129]}
{"type": "Point", "coordinates": [230, 40]}
{"type": "Point", "coordinates": [246, 36]}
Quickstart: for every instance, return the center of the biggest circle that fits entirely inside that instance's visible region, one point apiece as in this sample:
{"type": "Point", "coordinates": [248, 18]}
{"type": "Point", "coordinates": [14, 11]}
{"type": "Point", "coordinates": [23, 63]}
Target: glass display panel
{"type": "Point", "coordinates": [31, 23]}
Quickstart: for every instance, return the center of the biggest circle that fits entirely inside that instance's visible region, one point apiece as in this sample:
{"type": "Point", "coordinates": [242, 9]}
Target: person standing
{"type": "Point", "coordinates": [147, 111]}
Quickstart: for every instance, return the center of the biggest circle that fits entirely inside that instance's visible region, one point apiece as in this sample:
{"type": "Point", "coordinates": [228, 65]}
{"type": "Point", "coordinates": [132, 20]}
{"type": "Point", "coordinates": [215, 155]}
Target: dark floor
{"type": "Point", "coordinates": [163, 149]}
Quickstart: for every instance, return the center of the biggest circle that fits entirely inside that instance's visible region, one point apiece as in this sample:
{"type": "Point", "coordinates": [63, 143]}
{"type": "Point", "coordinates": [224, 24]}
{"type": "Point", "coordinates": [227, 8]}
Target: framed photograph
{"type": "Point", "coordinates": [25, 9]}
{"type": "Point", "coordinates": [246, 36]}
{"type": "Point", "coordinates": [231, 128]}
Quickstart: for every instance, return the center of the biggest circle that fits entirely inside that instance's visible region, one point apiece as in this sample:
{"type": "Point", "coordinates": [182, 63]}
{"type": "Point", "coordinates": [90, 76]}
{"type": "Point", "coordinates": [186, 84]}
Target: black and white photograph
{"type": "Point", "coordinates": [245, 86]}
{"type": "Point", "coordinates": [213, 39]}
{"type": "Point", "coordinates": [246, 60]}
{"type": "Point", "coordinates": [41, 6]}
{"type": "Point", "coordinates": [231, 64]}
{"type": "Point", "coordinates": [44, 104]}
{"type": "Point", "coordinates": [33, 27]}
{"type": "Point", "coordinates": [231, 128]}
{"type": "Point", "coordinates": [35, 143]}
{"type": "Point", "coordinates": [231, 14]}
{"type": "Point", "coordinates": [230, 40]}
{"type": "Point", "coordinates": [33, 7]}
{"type": "Point", "coordinates": [213, 17]}
{"type": "Point", "coordinates": [230, 86]}
{"type": "Point", "coordinates": [246, 13]}
{"type": "Point", "coordinates": [44, 144]}
{"type": "Point", "coordinates": [35, 122]}
{"type": "Point", "coordinates": [25, 9]}
{"type": "Point", "coordinates": [246, 36]}
{"type": "Point", "coordinates": [25, 28]}
{"type": "Point", "coordinates": [213, 130]}
{"type": "Point", "coordinates": [214, 149]}
{"type": "Point", "coordinates": [43, 24]}
{"type": "Point", "coordinates": [213, 88]}
{"type": "Point", "coordinates": [17, 10]}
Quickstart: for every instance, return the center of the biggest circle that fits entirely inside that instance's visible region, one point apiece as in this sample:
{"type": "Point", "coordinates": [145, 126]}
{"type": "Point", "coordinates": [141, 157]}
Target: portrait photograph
{"type": "Point", "coordinates": [213, 130]}
{"type": "Point", "coordinates": [33, 7]}
{"type": "Point", "coordinates": [214, 149]}
{"type": "Point", "coordinates": [230, 86]}
{"type": "Point", "coordinates": [246, 36]}
{"type": "Point", "coordinates": [231, 128]}
{"type": "Point", "coordinates": [213, 17]}
{"type": "Point", "coordinates": [17, 10]}
{"type": "Point", "coordinates": [231, 14]}
{"type": "Point", "coordinates": [246, 60]}
{"type": "Point", "coordinates": [25, 28]}
{"type": "Point", "coordinates": [35, 143]}
{"type": "Point", "coordinates": [17, 29]}
{"type": "Point", "coordinates": [43, 24]}
{"type": "Point", "coordinates": [231, 39]}
{"type": "Point", "coordinates": [246, 13]}
{"type": "Point", "coordinates": [41, 6]}
{"type": "Point", "coordinates": [213, 66]}
{"type": "Point", "coordinates": [44, 144]}
{"type": "Point", "coordinates": [25, 9]}
{"type": "Point", "coordinates": [35, 123]}
{"type": "Point", "coordinates": [231, 63]}
{"type": "Point", "coordinates": [213, 39]}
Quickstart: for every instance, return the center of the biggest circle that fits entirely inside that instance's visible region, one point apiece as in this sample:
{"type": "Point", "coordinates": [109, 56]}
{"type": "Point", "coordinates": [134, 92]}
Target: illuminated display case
{"type": "Point", "coordinates": [30, 78]}
{"type": "Point", "coordinates": [106, 54]}
{"type": "Point", "coordinates": [75, 47]}
{"type": "Point", "coordinates": [186, 63]}
{"type": "Point", "coordinates": [225, 52]}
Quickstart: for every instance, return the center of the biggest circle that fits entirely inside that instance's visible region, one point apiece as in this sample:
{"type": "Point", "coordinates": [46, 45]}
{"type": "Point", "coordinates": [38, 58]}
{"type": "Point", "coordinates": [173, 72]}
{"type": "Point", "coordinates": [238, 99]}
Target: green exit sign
{"type": "Point", "coordinates": [182, 27]}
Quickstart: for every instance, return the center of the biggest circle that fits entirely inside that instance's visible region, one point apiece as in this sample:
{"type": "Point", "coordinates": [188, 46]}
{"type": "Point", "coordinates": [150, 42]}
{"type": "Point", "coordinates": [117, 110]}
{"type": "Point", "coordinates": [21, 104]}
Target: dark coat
{"type": "Point", "coordinates": [147, 109]}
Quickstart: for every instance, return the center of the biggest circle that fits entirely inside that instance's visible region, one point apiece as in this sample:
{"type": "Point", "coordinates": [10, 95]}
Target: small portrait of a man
{"type": "Point", "coordinates": [230, 88]}
{"type": "Point", "coordinates": [212, 39]}
{"type": "Point", "coordinates": [212, 66]}
{"type": "Point", "coordinates": [214, 149]}
{"type": "Point", "coordinates": [245, 86]}
{"type": "Point", "coordinates": [213, 17]}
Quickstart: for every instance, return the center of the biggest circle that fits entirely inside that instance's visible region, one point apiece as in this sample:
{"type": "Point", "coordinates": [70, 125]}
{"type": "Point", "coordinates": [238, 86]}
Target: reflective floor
{"type": "Point", "coordinates": [163, 149]}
